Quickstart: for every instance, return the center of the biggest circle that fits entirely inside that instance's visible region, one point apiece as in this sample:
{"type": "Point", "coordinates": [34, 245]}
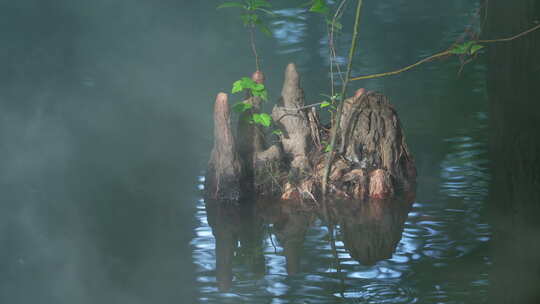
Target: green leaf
{"type": "Point", "coordinates": [328, 148]}
{"type": "Point", "coordinates": [319, 6]}
{"type": "Point", "coordinates": [247, 83]}
{"type": "Point", "coordinates": [242, 106]}
{"type": "Point", "coordinates": [277, 132]}
{"type": "Point", "coordinates": [266, 119]}
{"type": "Point", "coordinates": [262, 119]}
{"type": "Point", "coordinates": [463, 48]}
{"type": "Point", "coordinates": [325, 104]}
{"type": "Point", "coordinates": [475, 48]}
{"type": "Point", "coordinates": [262, 94]}
{"type": "Point", "coordinates": [242, 84]}
{"type": "Point", "coordinates": [257, 86]}
{"type": "Point", "coordinates": [237, 86]}
{"type": "Point", "coordinates": [231, 4]}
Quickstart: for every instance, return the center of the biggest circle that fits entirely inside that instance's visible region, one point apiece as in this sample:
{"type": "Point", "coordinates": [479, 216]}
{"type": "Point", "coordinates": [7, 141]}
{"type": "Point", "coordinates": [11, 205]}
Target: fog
{"type": "Point", "coordinates": [100, 119]}
{"type": "Point", "coordinates": [105, 125]}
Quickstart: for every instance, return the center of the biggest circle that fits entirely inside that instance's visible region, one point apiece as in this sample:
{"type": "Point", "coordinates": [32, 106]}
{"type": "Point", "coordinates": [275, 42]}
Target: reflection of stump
{"type": "Point", "coordinates": [372, 230]}
{"type": "Point", "coordinates": [234, 224]}
{"type": "Point", "coordinates": [372, 158]}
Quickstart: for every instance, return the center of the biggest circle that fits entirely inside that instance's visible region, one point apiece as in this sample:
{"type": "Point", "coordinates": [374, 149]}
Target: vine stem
{"type": "Point", "coordinates": [442, 54]}
{"type": "Point", "coordinates": [332, 49]}
{"type": "Point", "coordinates": [253, 48]}
{"type": "Point", "coordinates": [335, 127]}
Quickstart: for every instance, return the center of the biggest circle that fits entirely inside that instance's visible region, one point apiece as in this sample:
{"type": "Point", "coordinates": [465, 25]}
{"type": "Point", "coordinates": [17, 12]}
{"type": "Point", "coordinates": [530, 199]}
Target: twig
{"type": "Point", "coordinates": [333, 56]}
{"type": "Point", "coordinates": [333, 135]}
{"type": "Point", "coordinates": [306, 107]}
{"type": "Point", "coordinates": [534, 28]}
{"type": "Point", "coordinates": [332, 50]}
{"type": "Point", "coordinates": [438, 55]}
{"type": "Point", "coordinates": [442, 54]}
{"type": "Point", "coordinates": [253, 48]}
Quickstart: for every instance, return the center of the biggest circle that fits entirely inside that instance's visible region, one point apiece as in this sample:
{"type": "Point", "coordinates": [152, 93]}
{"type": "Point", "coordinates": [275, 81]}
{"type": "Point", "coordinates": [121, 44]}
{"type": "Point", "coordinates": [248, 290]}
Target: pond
{"type": "Point", "coordinates": [106, 130]}
{"type": "Point", "coordinates": [437, 250]}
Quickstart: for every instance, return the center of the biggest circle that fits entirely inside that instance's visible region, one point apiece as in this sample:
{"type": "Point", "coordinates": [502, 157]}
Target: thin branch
{"type": "Point", "coordinates": [333, 54]}
{"type": "Point", "coordinates": [442, 54]}
{"type": "Point", "coordinates": [511, 38]}
{"type": "Point", "coordinates": [306, 107]}
{"type": "Point", "coordinates": [253, 48]}
{"type": "Point", "coordinates": [335, 127]}
{"type": "Point", "coordinates": [438, 55]}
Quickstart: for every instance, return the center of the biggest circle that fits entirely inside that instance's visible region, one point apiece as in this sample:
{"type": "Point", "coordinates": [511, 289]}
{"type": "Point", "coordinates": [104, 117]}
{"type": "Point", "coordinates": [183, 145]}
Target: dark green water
{"type": "Point", "coordinates": [105, 131]}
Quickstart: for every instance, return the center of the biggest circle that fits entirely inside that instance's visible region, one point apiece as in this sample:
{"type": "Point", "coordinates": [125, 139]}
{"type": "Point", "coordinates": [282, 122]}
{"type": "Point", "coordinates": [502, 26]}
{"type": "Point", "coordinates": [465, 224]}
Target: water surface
{"type": "Point", "coordinates": [105, 129]}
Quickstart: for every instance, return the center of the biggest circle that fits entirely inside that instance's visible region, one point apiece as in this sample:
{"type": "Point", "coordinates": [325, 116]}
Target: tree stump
{"type": "Point", "coordinates": [372, 158]}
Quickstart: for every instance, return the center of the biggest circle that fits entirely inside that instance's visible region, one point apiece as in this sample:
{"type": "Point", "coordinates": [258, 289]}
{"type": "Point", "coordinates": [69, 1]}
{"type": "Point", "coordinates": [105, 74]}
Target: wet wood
{"type": "Point", "coordinates": [224, 169]}
{"type": "Point", "coordinates": [372, 161]}
{"type": "Point", "coordinates": [293, 121]}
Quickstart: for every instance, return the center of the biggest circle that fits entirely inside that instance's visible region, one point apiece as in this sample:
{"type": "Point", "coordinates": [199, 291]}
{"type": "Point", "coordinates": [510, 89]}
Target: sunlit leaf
{"type": "Point", "coordinates": [325, 104]}
{"type": "Point", "coordinates": [242, 84]}
{"type": "Point", "coordinates": [277, 132]}
{"type": "Point", "coordinates": [475, 48]}
{"type": "Point", "coordinates": [262, 119]}
{"type": "Point", "coordinates": [231, 4]}
{"type": "Point", "coordinates": [247, 82]}
{"type": "Point", "coordinates": [463, 48]}
{"type": "Point", "coordinates": [257, 86]}
{"type": "Point", "coordinates": [237, 86]}
{"type": "Point", "coordinates": [266, 120]}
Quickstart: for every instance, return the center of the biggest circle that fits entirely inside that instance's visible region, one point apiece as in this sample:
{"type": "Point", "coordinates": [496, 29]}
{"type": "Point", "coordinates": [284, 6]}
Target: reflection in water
{"type": "Point", "coordinates": [370, 231]}
{"type": "Point", "coordinates": [442, 254]}
{"type": "Point", "coordinates": [233, 224]}
{"type": "Point", "coordinates": [431, 251]}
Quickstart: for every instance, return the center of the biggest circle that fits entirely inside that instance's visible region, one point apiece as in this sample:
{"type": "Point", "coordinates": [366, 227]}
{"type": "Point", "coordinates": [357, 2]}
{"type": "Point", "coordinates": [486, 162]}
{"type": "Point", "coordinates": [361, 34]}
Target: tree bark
{"type": "Point", "coordinates": [292, 120]}
{"type": "Point", "coordinates": [372, 160]}
{"type": "Point", "coordinates": [224, 169]}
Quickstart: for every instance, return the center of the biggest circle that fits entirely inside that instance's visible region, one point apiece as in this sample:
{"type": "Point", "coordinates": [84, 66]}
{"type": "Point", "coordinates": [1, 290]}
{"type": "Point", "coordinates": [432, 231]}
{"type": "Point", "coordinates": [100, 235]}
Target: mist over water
{"type": "Point", "coordinates": [106, 125]}
{"type": "Point", "coordinates": [99, 138]}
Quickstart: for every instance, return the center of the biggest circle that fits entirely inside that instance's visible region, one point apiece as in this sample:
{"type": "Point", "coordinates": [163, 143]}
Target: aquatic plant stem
{"type": "Point", "coordinates": [335, 127]}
